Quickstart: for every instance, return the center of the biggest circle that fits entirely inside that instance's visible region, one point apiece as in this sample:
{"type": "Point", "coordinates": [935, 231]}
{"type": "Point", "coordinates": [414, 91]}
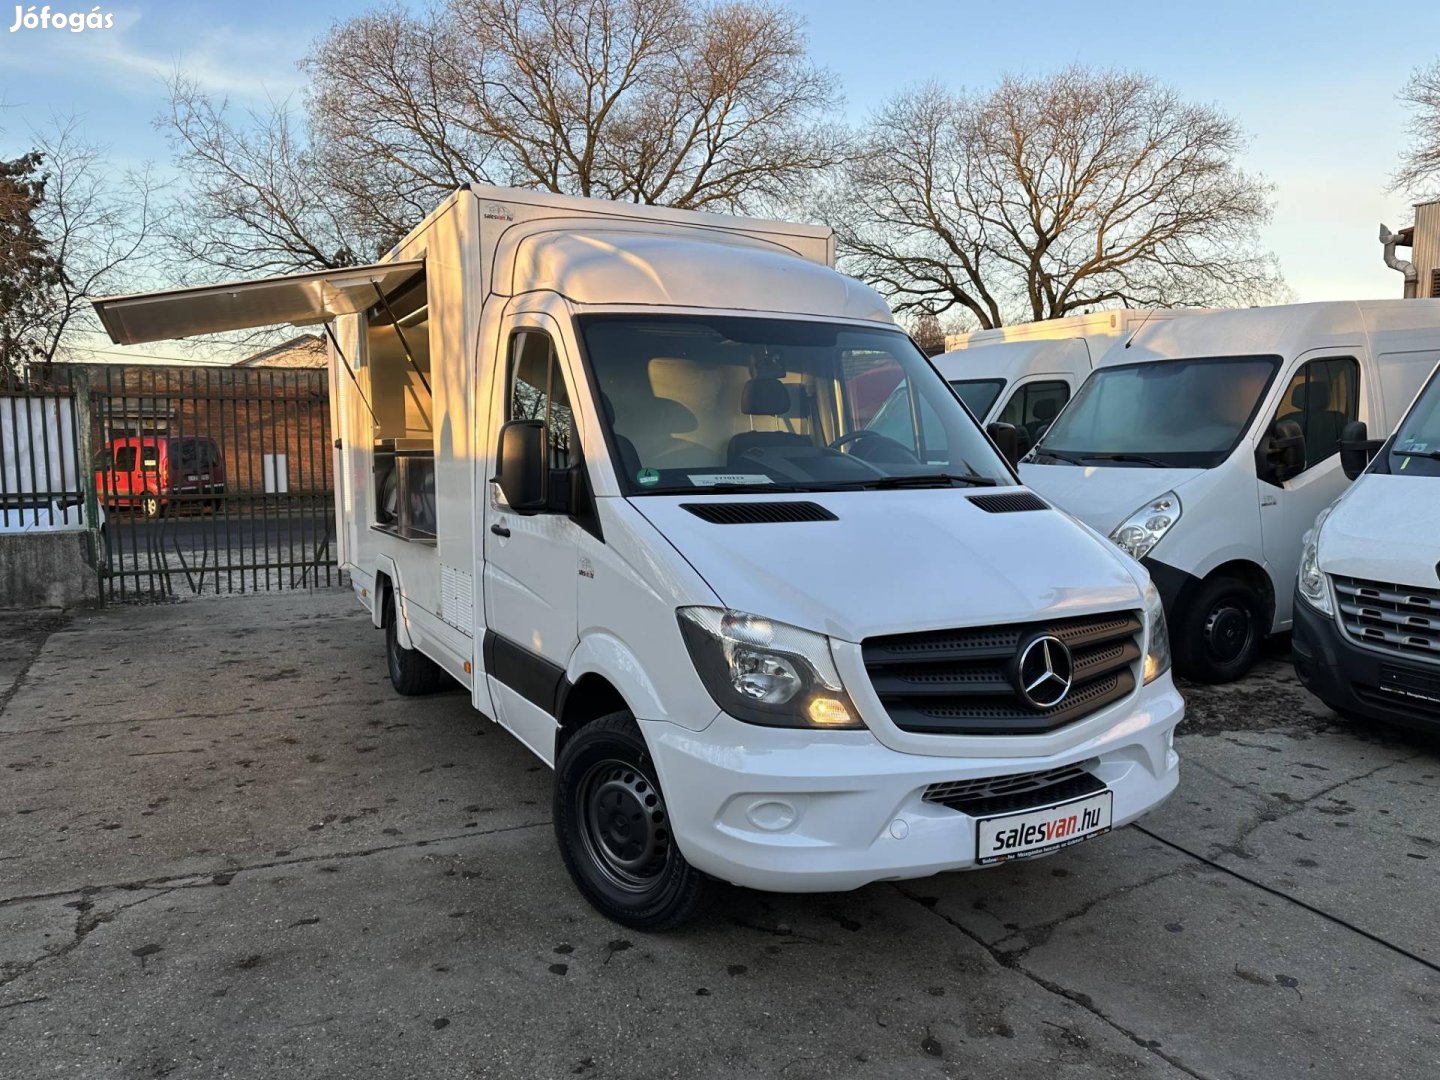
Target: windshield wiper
{"type": "Point", "coordinates": [1433, 455]}
{"type": "Point", "coordinates": [1139, 459]}
{"type": "Point", "coordinates": [1060, 455]}
{"type": "Point", "coordinates": [926, 480]}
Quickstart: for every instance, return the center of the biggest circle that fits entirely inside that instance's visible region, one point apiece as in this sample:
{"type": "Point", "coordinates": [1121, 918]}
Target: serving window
{"type": "Point", "coordinates": [398, 359]}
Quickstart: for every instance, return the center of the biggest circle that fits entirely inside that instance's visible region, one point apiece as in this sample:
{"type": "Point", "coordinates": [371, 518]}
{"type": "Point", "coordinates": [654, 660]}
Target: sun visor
{"type": "Point", "coordinates": [296, 299]}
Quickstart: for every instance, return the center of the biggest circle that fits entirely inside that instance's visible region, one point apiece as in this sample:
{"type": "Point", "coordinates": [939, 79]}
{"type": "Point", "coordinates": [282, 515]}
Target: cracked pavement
{"type": "Point", "coordinates": [226, 847]}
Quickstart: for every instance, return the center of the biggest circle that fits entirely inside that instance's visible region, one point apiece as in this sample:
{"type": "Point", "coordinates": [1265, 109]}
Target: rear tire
{"type": "Point", "coordinates": [1222, 631]}
{"type": "Point", "coordinates": [614, 831]}
{"type": "Point", "coordinates": [150, 506]}
{"type": "Point", "coordinates": [412, 673]}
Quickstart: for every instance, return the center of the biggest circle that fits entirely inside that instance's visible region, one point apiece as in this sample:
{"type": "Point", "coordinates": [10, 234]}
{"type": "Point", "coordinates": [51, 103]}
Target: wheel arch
{"type": "Point", "coordinates": [603, 677]}
{"type": "Point", "coordinates": [1254, 575]}
{"type": "Point", "coordinates": [387, 580]}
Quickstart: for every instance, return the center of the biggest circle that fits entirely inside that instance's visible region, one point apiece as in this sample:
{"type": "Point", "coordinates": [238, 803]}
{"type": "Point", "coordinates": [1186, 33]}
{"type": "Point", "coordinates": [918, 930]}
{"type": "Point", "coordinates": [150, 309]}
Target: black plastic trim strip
{"type": "Point", "coordinates": [536, 679]}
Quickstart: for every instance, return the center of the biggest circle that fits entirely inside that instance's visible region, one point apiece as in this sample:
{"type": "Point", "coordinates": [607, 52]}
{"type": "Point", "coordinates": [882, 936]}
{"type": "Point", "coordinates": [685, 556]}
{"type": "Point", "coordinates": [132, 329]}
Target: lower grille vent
{"type": "Point", "coordinates": [1017, 791]}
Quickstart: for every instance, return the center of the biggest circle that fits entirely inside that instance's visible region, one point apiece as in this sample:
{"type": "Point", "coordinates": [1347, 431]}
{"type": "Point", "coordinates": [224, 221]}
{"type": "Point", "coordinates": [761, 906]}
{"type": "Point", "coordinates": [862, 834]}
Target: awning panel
{"type": "Point", "coordinates": [297, 299]}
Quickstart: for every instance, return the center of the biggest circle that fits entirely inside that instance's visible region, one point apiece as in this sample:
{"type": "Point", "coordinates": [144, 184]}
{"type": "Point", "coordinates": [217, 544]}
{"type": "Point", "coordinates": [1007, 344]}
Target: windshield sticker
{"type": "Point", "coordinates": [716, 479]}
{"type": "Point", "coordinates": [648, 477]}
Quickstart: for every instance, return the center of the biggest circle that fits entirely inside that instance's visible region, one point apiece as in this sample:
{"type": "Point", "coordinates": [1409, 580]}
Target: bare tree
{"type": "Point", "coordinates": [929, 334]}
{"type": "Point", "coordinates": [257, 199]}
{"type": "Point", "coordinates": [96, 225]}
{"type": "Point", "coordinates": [653, 101]}
{"type": "Point", "coordinates": [1049, 196]}
{"type": "Point", "coordinates": [1419, 170]}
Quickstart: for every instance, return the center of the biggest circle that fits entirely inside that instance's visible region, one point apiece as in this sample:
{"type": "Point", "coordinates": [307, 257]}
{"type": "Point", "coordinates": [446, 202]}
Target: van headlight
{"type": "Point", "coordinates": [1312, 583]}
{"type": "Point", "coordinates": [766, 672]}
{"type": "Point", "coordinates": [1157, 651]}
{"type": "Point", "coordinates": [1142, 530]}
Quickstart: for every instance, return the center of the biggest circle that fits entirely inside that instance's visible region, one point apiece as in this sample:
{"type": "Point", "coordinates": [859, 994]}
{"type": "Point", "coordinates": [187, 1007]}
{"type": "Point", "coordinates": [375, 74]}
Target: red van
{"type": "Point", "coordinates": [149, 472]}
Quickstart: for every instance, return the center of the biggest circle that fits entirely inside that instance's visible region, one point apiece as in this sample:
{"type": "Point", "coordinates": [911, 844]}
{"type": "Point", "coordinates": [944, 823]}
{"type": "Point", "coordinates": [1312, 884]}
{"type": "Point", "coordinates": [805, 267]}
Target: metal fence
{"type": "Point", "coordinates": [212, 480]}
{"type": "Point", "coordinates": [42, 481]}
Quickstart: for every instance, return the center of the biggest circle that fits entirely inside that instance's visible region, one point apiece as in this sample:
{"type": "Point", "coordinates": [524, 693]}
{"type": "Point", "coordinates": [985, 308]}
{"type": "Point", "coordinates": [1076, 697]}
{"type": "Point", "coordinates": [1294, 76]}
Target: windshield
{"type": "Point", "coordinates": [1415, 449]}
{"type": "Point", "coordinates": [978, 394]}
{"type": "Point", "coordinates": [1186, 414]}
{"type": "Point", "coordinates": [706, 403]}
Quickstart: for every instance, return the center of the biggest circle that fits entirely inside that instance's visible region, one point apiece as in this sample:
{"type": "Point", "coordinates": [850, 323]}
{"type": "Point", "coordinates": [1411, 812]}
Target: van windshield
{"type": "Point", "coordinates": [716, 403]}
{"type": "Point", "coordinates": [978, 394]}
{"type": "Point", "coordinates": [1184, 414]}
{"type": "Point", "coordinates": [1415, 449]}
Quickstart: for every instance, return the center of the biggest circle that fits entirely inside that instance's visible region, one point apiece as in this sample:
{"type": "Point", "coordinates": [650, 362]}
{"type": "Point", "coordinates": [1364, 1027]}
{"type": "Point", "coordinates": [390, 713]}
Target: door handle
{"type": "Point", "coordinates": [499, 530]}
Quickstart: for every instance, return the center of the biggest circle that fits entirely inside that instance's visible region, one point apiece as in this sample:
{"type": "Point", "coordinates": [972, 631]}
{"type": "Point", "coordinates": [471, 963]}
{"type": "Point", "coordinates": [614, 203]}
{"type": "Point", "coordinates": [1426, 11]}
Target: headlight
{"type": "Point", "coordinates": [1157, 653]}
{"type": "Point", "coordinates": [1142, 530]}
{"type": "Point", "coordinates": [766, 672]}
{"type": "Point", "coordinates": [1312, 583]}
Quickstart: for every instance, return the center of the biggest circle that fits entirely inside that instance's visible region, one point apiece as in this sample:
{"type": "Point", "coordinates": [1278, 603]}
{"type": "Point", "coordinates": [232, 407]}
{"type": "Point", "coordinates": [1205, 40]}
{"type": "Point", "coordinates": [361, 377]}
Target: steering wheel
{"type": "Point", "coordinates": [879, 442]}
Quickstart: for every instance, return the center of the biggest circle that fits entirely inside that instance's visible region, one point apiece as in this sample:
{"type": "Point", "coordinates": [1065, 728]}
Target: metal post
{"type": "Point", "coordinates": [85, 455]}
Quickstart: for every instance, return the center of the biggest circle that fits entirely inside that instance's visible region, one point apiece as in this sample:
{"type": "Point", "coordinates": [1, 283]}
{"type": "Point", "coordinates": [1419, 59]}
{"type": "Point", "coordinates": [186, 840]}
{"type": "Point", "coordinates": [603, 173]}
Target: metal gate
{"type": "Point", "coordinates": [212, 480]}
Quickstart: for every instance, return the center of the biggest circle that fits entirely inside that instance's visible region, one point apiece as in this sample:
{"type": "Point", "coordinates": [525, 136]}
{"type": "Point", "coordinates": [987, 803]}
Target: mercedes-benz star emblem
{"type": "Point", "coordinates": [1044, 670]}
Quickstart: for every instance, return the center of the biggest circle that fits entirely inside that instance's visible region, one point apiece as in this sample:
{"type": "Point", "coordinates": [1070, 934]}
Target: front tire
{"type": "Point", "coordinates": [614, 830]}
{"type": "Point", "coordinates": [1222, 631]}
{"type": "Point", "coordinates": [412, 673]}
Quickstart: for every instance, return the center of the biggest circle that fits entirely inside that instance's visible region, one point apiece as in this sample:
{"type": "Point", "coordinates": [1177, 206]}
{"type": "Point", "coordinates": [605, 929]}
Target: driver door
{"type": "Point", "coordinates": [1321, 395]}
{"type": "Point", "coordinates": [531, 559]}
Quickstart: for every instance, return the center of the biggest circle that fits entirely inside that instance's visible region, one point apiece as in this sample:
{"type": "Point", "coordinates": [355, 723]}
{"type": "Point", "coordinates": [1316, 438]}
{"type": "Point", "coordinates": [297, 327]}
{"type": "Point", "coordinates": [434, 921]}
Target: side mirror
{"type": "Point", "coordinates": [521, 466]}
{"type": "Point", "coordinates": [1281, 453]}
{"type": "Point", "coordinates": [1357, 448]}
{"type": "Point", "coordinates": [1005, 440]}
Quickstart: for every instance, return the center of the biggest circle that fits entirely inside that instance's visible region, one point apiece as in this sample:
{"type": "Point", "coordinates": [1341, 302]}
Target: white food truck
{"type": "Point", "coordinates": [1205, 446]}
{"type": "Point", "coordinates": [1367, 609]}
{"type": "Point", "coordinates": [601, 465]}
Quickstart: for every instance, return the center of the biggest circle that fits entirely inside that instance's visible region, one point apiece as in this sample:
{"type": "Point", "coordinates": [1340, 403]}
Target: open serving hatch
{"type": "Point", "coordinates": [299, 299]}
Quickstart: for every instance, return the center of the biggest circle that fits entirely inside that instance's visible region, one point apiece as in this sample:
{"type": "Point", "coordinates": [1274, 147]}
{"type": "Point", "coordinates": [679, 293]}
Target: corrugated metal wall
{"type": "Point", "coordinates": [1426, 254]}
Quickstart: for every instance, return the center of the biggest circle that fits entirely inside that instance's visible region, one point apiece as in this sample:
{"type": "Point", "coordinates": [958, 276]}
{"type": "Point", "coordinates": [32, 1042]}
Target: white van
{"type": "Point", "coordinates": [1023, 375]}
{"type": "Point", "coordinates": [601, 464]}
{"type": "Point", "coordinates": [1367, 614]}
{"type": "Point", "coordinates": [1021, 383]}
{"type": "Point", "coordinates": [1205, 446]}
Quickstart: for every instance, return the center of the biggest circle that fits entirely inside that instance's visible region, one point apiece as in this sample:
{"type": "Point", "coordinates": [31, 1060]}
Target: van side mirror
{"type": "Point", "coordinates": [1005, 440]}
{"type": "Point", "coordinates": [1357, 448]}
{"type": "Point", "coordinates": [1281, 453]}
{"type": "Point", "coordinates": [521, 466]}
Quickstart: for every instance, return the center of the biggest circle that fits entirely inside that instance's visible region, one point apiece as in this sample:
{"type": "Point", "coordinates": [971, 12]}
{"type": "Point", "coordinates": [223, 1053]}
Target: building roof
{"type": "Point", "coordinates": [305, 351]}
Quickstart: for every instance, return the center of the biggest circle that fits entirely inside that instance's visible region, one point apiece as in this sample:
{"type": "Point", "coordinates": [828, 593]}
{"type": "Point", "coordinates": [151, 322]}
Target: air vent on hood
{"type": "Point", "coordinates": [758, 513]}
{"type": "Point", "coordinates": [1009, 502]}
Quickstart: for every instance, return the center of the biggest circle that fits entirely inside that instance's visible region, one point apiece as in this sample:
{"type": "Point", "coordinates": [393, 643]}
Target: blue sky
{"type": "Point", "coordinates": [1314, 84]}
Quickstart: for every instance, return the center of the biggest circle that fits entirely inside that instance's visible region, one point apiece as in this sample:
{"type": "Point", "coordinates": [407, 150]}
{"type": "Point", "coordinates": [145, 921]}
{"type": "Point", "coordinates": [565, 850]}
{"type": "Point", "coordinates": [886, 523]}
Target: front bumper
{"type": "Point", "coordinates": [803, 811]}
{"type": "Point", "coordinates": [1353, 679]}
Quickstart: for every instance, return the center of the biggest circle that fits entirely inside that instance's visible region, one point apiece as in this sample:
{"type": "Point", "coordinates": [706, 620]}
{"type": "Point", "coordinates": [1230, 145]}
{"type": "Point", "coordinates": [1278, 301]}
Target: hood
{"type": "Point", "coordinates": [1104, 496]}
{"type": "Point", "coordinates": [1385, 528]}
{"type": "Point", "coordinates": [897, 561]}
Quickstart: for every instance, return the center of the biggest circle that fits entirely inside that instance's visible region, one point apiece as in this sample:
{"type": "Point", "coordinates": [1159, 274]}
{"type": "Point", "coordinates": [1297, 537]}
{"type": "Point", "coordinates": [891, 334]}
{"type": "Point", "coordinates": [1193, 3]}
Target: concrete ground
{"type": "Point", "coordinates": [227, 848]}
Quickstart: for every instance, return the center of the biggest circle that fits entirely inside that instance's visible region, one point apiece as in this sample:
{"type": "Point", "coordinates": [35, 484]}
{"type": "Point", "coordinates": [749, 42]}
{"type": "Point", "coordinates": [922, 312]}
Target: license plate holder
{"type": "Point", "coordinates": [1027, 833]}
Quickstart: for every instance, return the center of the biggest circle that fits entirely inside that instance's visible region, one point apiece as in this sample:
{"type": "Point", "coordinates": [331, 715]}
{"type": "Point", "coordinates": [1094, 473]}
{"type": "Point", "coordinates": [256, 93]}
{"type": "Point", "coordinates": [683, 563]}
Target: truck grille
{"type": "Point", "coordinates": [961, 682]}
{"type": "Point", "coordinates": [1016, 791]}
{"type": "Point", "coordinates": [1399, 619]}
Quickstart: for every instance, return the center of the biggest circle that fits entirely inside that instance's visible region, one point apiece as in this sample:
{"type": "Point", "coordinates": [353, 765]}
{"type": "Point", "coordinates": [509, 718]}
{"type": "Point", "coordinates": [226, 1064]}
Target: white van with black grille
{"type": "Point", "coordinates": [1367, 600]}
{"type": "Point", "coordinates": [613, 469]}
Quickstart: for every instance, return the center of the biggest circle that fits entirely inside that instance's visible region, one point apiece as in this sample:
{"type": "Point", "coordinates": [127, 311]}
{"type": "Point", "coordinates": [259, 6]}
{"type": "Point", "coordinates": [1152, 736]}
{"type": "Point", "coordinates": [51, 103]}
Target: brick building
{"type": "Point", "coordinates": [271, 424]}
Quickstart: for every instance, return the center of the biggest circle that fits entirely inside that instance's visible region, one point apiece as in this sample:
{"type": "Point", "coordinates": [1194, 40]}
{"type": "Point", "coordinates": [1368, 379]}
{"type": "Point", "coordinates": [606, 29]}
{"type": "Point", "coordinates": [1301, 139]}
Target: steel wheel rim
{"type": "Point", "coordinates": [624, 825]}
{"type": "Point", "coordinates": [1228, 632]}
